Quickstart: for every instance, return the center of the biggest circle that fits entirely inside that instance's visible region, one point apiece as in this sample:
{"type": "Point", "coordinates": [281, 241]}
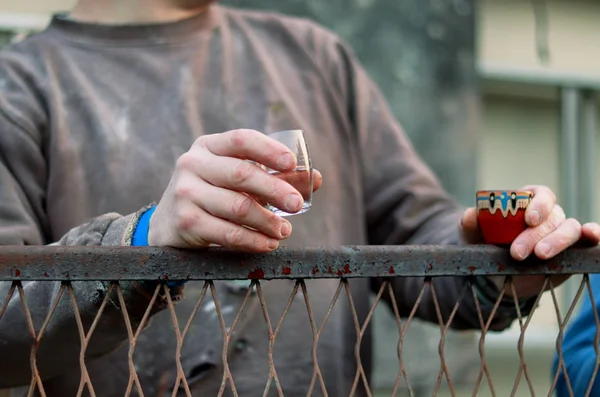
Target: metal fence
{"type": "Point", "coordinates": [66, 267]}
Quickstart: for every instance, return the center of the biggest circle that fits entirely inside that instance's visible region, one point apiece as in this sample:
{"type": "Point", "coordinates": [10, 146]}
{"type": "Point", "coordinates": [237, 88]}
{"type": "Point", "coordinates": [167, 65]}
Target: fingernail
{"type": "Point", "coordinates": [520, 250]}
{"type": "Point", "coordinates": [286, 160]}
{"type": "Point", "coordinates": [535, 218]}
{"type": "Point", "coordinates": [272, 243]}
{"type": "Point", "coordinates": [293, 202]}
{"type": "Point", "coordinates": [545, 249]}
{"type": "Point", "coordinates": [286, 229]}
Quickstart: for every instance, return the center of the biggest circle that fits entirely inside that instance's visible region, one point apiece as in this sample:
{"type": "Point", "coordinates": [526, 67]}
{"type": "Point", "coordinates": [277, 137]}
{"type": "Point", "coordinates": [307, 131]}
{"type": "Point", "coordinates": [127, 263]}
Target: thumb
{"type": "Point", "coordinates": [469, 227]}
{"type": "Point", "coordinates": [317, 180]}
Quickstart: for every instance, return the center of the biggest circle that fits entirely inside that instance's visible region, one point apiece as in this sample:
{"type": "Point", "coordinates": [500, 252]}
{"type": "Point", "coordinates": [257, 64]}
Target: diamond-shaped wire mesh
{"type": "Point", "coordinates": [278, 318]}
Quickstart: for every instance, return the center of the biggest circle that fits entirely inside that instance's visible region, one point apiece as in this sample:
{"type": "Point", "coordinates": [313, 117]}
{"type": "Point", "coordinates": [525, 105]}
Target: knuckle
{"type": "Point", "coordinates": [274, 222]}
{"type": "Point", "coordinates": [234, 237]}
{"type": "Point", "coordinates": [241, 206]}
{"type": "Point", "coordinates": [279, 189]}
{"type": "Point", "coordinates": [185, 221]}
{"type": "Point", "coordinates": [183, 191]}
{"type": "Point", "coordinates": [186, 162]}
{"type": "Point", "coordinates": [200, 142]}
{"type": "Point", "coordinates": [555, 219]}
{"type": "Point", "coordinates": [565, 234]}
{"type": "Point", "coordinates": [561, 240]}
{"type": "Point", "coordinates": [262, 243]}
{"type": "Point", "coordinates": [242, 173]}
{"type": "Point", "coordinates": [560, 211]}
{"type": "Point", "coordinates": [237, 138]}
{"type": "Point", "coordinates": [549, 199]}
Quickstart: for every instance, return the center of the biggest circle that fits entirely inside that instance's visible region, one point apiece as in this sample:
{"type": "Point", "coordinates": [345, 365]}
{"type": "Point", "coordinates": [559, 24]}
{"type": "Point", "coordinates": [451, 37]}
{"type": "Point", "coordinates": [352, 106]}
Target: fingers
{"type": "Point", "coordinates": [193, 222]}
{"type": "Point", "coordinates": [549, 232]}
{"type": "Point", "coordinates": [317, 180]}
{"type": "Point", "coordinates": [590, 234]}
{"type": "Point", "coordinates": [249, 145]}
{"type": "Point", "coordinates": [243, 176]}
{"type": "Point", "coordinates": [541, 205]}
{"type": "Point", "coordinates": [567, 234]}
{"type": "Point", "coordinates": [469, 226]}
{"type": "Point", "coordinates": [317, 183]}
{"type": "Point", "coordinates": [241, 209]}
{"type": "Point", "coordinates": [525, 243]}
{"type": "Point", "coordinates": [219, 188]}
{"type": "Point", "coordinates": [301, 180]}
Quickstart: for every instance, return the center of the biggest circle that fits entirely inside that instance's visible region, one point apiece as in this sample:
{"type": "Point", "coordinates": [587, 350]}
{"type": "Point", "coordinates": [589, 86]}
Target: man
{"type": "Point", "coordinates": [578, 349]}
{"type": "Point", "coordinates": [119, 105]}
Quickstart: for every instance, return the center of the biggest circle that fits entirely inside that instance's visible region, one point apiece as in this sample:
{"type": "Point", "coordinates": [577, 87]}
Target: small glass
{"type": "Point", "coordinates": [301, 177]}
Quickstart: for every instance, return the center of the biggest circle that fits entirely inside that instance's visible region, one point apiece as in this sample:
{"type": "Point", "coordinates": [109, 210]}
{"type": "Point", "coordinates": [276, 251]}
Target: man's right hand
{"type": "Point", "coordinates": [214, 194]}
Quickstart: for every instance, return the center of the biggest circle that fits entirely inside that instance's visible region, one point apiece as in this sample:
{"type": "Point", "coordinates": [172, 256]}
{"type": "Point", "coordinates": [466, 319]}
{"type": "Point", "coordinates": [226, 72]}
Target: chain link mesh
{"type": "Point", "coordinates": [273, 328]}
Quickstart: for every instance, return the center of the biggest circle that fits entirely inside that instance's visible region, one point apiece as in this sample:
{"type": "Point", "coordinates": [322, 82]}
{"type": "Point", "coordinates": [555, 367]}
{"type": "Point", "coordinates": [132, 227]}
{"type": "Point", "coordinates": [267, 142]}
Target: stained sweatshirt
{"type": "Point", "coordinates": [92, 121]}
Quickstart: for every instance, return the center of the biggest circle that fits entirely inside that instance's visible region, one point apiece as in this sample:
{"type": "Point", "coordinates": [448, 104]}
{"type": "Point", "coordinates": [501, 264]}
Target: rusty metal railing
{"type": "Point", "coordinates": [22, 269]}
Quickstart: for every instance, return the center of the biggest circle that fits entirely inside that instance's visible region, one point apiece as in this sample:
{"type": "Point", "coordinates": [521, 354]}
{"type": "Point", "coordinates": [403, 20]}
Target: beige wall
{"type": "Point", "coordinates": [506, 34]}
{"type": "Point", "coordinates": [518, 143]}
{"type": "Point", "coordinates": [35, 6]}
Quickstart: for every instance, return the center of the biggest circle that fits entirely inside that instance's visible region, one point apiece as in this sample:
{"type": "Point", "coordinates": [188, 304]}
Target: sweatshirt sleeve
{"type": "Point", "coordinates": [405, 203]}
{"type": "Point", "coordinates": [23, 222]}
{"type": "Point", "coordinates": [578, 351]}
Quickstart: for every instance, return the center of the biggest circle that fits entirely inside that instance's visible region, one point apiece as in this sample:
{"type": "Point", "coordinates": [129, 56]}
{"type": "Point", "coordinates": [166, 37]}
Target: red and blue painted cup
{"type": "Point", "coordinates": [501, 214]}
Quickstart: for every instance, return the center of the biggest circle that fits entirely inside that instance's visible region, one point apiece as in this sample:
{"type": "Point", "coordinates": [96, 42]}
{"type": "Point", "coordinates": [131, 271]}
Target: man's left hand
{"type": "Point", "coordinates": [549, 232]}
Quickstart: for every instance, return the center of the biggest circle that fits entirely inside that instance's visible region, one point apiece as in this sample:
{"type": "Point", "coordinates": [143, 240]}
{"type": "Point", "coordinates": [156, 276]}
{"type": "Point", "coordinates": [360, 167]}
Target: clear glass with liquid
{"type": "Point", "coordinates": [301, 178]}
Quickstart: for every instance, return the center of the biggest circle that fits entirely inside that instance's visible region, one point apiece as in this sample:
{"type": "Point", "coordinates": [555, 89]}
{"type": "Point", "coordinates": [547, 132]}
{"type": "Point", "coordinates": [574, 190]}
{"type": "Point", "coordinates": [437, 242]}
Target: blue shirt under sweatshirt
{"type": "Point", "coordinates": [578, 348]}
{"type": "Point", "coordinates": [140, 237]}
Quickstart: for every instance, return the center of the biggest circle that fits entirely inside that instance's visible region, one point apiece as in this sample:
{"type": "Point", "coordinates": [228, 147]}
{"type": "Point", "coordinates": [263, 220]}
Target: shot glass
{"type": "Point", "coordinates": [501, 214]}
{"type": "Point", "coordinates": [301, 177]}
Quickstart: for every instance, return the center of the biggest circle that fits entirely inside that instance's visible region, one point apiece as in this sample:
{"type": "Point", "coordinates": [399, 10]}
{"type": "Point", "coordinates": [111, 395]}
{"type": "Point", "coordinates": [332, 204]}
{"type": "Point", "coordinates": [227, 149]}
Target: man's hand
{"type": "Point", "coordinates": [548, 234]}
{"type": "Point", "coordinates": [214, 194]}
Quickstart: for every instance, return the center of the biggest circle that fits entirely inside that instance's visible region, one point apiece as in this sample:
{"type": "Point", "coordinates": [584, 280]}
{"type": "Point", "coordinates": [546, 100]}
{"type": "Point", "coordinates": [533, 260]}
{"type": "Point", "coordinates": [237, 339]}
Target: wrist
{"type": "Point", "coordinates": [142, 237]}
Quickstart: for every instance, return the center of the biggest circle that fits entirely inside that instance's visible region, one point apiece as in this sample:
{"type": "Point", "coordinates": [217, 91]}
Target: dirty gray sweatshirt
{"type": "Point", "coordinates": [92, 121]}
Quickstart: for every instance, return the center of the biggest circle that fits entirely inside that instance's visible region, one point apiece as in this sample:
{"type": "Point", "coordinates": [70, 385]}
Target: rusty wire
{"type": "Point", "coordinates": [523, 326]}
{"type": "Point", "coordinates": [181, 336]}
{"type": "Point", "coordinates": [85, 338]}
{"type": "Point", "coordinates": [248, 306]}
{"type": "Point", "coordinates": [317, 334]}
{"type": "Point", "coordinates": [273, 335]}
{"type": "Point", "coordinates": [36, 380]}
{"type": "Point", "coordinates": [562, 325]}
{"type": "Point", "coordinates": [444, 329]}
{"type": "Point", "coordinates": [402, 329]}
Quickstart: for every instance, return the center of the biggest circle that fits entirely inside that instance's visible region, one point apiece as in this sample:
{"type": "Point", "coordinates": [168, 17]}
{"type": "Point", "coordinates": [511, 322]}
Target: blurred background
{"type": "Point", "coordinates": [494, 94]}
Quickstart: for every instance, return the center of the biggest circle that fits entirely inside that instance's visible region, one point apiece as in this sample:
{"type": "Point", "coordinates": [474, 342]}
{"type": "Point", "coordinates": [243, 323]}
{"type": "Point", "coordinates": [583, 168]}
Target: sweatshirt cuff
{"type": "Point", "coordinates": [140, 234]}
{"type": "Point", "coordinates": [488, 293]}
{"type": "Point", "coordinates": [140, 237]}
